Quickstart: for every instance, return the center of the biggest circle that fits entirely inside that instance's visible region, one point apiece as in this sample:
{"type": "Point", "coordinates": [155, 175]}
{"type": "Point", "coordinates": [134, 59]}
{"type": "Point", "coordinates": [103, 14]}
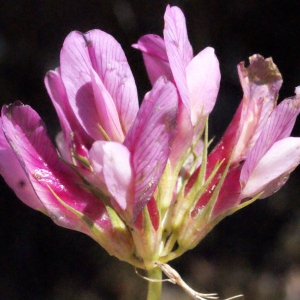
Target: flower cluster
{"type": "Point", "coordinates": [140, 180]}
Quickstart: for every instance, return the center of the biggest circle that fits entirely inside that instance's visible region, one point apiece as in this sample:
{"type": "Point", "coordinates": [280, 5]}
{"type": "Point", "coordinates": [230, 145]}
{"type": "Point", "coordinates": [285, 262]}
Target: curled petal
{"type": "Point", "coordinates": [155, 57]}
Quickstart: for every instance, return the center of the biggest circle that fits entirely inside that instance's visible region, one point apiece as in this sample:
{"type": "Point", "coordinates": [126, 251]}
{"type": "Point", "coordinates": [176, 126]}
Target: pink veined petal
{"type": "Point", "coordinates": [99, 51]}
{"type": "Point", "coordinates": [150, 139]}
{"type": "Point", "coordinates": [111, 162]}
{"type": "Point", "coordinates": [110, 63]}
{"type": "Point", "coordinates": [278, 126]}
{"type": "Point", "coordinates": [17, 179]}
{"type": "Point", "coordinates": [27, 136]}
{"type": "Point", "coordinates": [155, 57]}
{"type": "Point", "coordinates": [271, 172]}
{"type": "Point", "coordinates": [179, 49]}
{"type": "Point", "coordinates": [203, 81]}
{"type": "Point", "coordinates": [75, 73]}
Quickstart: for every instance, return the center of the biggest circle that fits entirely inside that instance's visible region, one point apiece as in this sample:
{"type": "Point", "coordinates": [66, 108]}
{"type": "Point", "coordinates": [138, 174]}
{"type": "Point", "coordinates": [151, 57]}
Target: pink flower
{"type": "Point", "coordinates": [197, 78]}
{"type": "Point", "coordinates": [256, 129]}
{"type": "Point", "coordinates": [141, 181]}
{"type": "Point", "coordinates": [253, 158]}
{"type": "Point", "coordinates": [93, 91]}
{"type": "Point", "coordinates": [113, 154]}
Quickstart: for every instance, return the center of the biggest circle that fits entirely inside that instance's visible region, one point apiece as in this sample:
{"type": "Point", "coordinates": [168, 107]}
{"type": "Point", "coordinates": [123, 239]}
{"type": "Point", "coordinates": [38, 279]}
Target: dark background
{"type": "Point", "coordinates": [255, 252]}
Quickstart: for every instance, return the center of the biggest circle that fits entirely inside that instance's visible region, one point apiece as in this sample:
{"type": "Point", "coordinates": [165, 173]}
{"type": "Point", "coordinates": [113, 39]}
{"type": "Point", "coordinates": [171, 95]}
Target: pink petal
{"type": "Point", "coordinates": [114, 71]}
{"type": "Point", "coordinates": [27, 136]}
{"type": "Point", "coordinates": [17, 179]}
{"type": "Point", "coordinates": [150, 140]}
{"type": "Point", "coordinates": [271, 172]}
{"type": "Point", "coordinates": [278, 126]}
{"type": "Point", "coordinates": [178, 49]}
{"type": "Point", "coordinates": [175, 29]}
{"type": "Point", "coordinates": [75, 73]}
{"type": "Point", "coordinates": [203, 81]}
{"type": "Point", "coordinates": [155, 57]}
{"type": "Point", "coordinates": [98, 51]}
{"type": "Point", "coordinates": [111, 162]}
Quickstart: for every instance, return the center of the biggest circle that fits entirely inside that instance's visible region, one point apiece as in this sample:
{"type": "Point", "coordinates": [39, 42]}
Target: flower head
{"type": "Point", "coordinates": [111, 154]}
{"type": "Point", "coordinates": [141, 181]}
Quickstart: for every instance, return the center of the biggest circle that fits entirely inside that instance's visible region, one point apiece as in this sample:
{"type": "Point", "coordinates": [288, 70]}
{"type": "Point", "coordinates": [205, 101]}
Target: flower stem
{"type": "Point", "coordinates": [154, 287]}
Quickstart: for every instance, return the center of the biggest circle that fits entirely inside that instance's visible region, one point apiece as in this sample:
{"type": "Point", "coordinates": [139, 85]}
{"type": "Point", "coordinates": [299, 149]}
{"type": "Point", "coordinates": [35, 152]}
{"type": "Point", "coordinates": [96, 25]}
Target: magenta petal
{"type": "Point", "coordinates": [17, 179]}
{"type": "Point", "coordinates": [273, 168]}
{"type": "Point", "coordinates": [179, 49]}
{"type": "Point", "coordinates": [203, 81]}
{"type": "Point", "coordinates": [278, 126]}
{"type": "Point", "coordinates": [27, 136]}
{"type": "Point", "coordinates": [155, 56]}
{"type": "Point", "coordinates": [229, 195]}
{"type": "Point", "coordinates": [150, 140]}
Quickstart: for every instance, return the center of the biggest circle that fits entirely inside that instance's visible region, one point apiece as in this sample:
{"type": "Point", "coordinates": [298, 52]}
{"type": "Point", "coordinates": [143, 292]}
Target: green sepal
{"type": "Point", "coordinates": [147, 241]}
{"type": "Point", "coordinates": [185, 203]}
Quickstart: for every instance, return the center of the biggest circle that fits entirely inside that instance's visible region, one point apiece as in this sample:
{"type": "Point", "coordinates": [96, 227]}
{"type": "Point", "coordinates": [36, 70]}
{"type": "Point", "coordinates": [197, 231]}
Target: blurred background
{"type": "Point", "coordinates": [255, 252]}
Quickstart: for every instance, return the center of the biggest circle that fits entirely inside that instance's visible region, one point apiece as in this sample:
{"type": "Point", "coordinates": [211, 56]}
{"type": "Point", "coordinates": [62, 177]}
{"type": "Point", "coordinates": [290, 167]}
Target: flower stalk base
{"type": "Point", "coordinates": [154, 283]}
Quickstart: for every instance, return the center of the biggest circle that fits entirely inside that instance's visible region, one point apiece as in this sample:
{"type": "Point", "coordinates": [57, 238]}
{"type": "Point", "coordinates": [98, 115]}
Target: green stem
{"type": "Point", "coordinates": [154, 288]}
